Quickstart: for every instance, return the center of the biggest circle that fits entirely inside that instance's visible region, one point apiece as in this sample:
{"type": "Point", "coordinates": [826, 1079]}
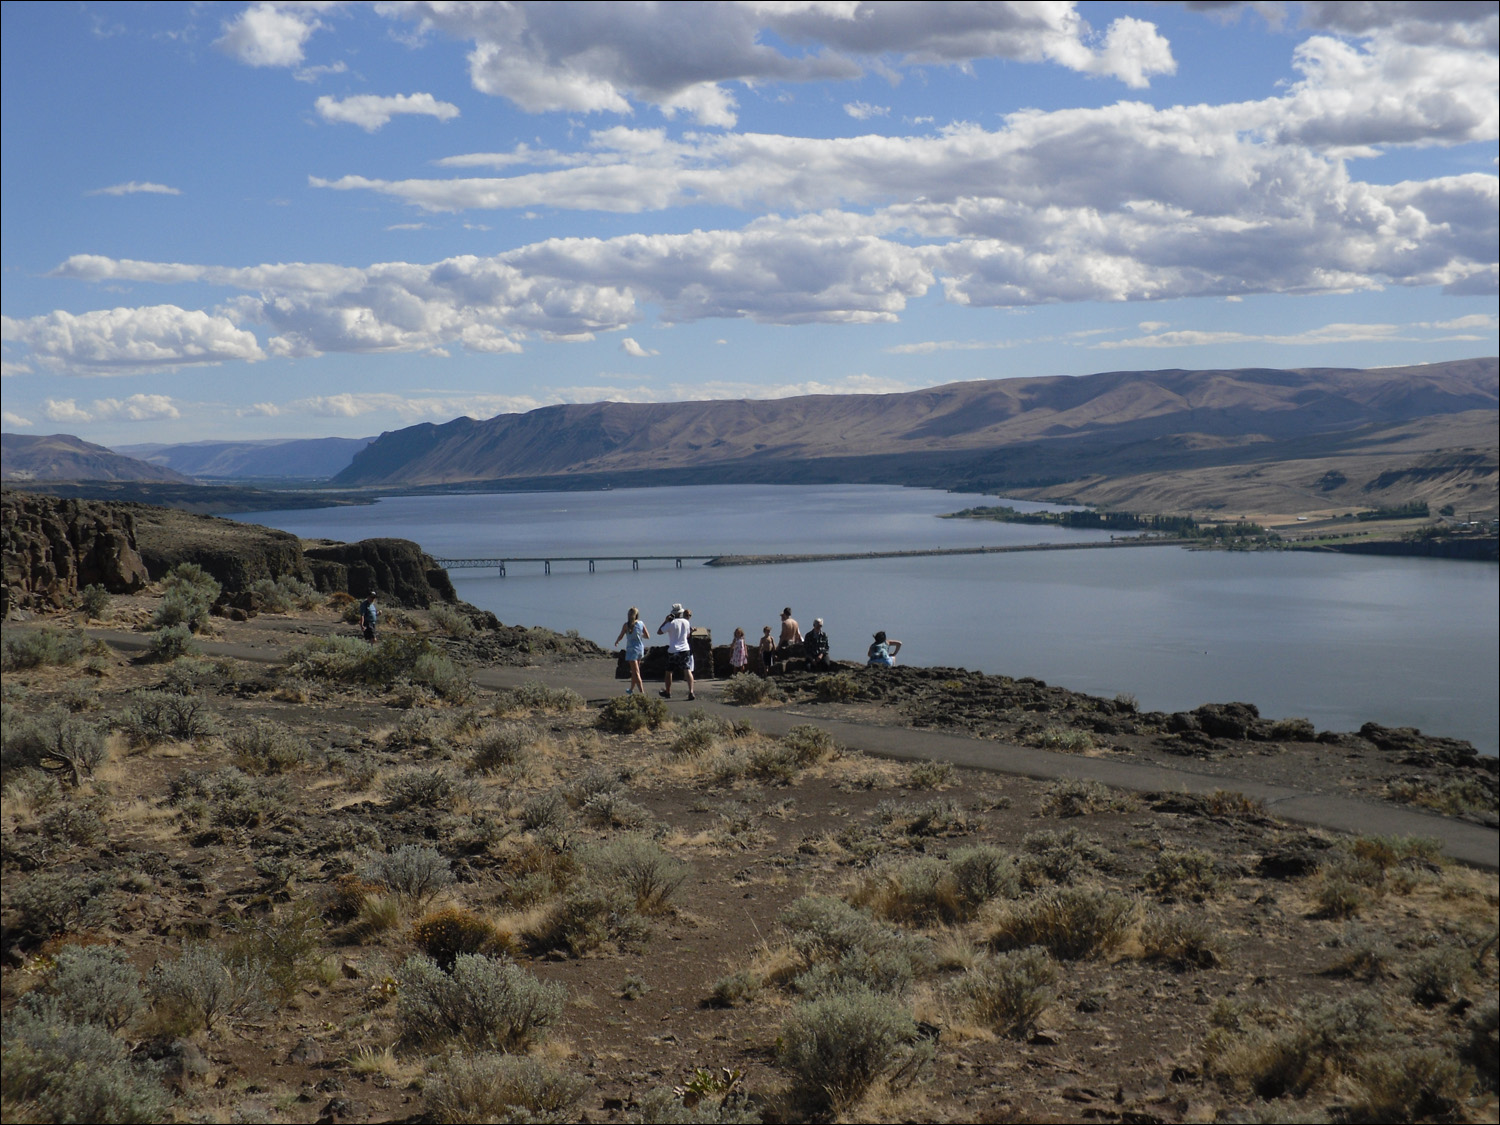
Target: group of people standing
{"type": "Point", "coordinates": [677, 628]}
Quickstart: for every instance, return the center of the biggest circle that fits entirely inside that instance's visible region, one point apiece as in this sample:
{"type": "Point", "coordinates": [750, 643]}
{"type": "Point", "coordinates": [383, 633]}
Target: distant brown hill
{"type": "Point", "coordinates": [55, 457]}
{"type": "Point", "coordinates": [1037, 433]}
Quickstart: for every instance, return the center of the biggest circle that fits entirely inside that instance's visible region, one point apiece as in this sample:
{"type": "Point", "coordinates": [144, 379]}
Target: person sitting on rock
{"type": "Point", "coordinates": [883, 651]}
{"type": "Point", "coordinates": [815, 647]}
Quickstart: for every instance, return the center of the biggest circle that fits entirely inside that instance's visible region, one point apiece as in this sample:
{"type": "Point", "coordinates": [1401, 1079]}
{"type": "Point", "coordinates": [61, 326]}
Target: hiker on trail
{"type": "Point", "coordinates": [678, 629]}
{"type": "Point", "coordinates": [883, 651]}
{"type": "Point", "coordinates": [815, 647]}
{"type": "Point", "coordinates": [739, 652]}
{"type": "Point", "coordinates": [369, 616]}
{"type": "Point", "coordinates": [634, 633]}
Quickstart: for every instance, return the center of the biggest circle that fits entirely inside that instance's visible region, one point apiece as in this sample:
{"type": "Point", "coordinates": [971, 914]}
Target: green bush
{"type": "Point", "coordinates": [284, 594]}
{"type": "Point", "coordinates": [1059, 857]}
{"type": "Point", "coordinates": [749, 690]}
{"type": "Point", "coordinates": [840, 687]}
{"type": "Point", "coordinates": [503, 748]}
{"type": "Point", "coordinates": [154, 716]}
{"type": "Point", "coordinates": [70, 746]}
{"type": "Point", "coordinates": [929, 774]}
{"type": "Point", "coordinates": [73, 825]}
{"type": "Point", "coordinates": [419, 788]}
{"type": "Point", "coordinates": [49, 903]}
{"type": "Point", "coordinates": [1061, 738]}
{"type": "Point", "coordinates": [840, 1045]}
{"type": "Point", "coordinates": [1073, 923]}
{"type": "Point", "coordinates": [808, 744]}
{"type": "Point", "coordinates": [1439, 975]}
{"type": "Point", "coordinates": [1190, 875]}
{"type": "Point", "coordinates": [736, 989]}
{"type": "Point", "coordinates": [413, 871]}
{"type": "Point", "coordinates": [92, 984]}
{"type": "Point", "coordinates": [171, 643]}
{"type": "Point", "coordinates": [612, 809]}
{"type": "Point", "coordinates": [534, 696]}
{"type": "Point", "coordinates": [181, 608]}
{"type": "Point", "coordinates": [286, 946]}
{"type": "Point", "coordinates": [451, 622]}
{"type": "Point", "coordinates": [54, 1070]}
{"type": "Point", "coordinates": [203, 985]}
{"type": "Point", "coordinates": [486, 1088]}
{"type": "Point", "coordinates": [265, 748]}
{"type": "Point", "coordinates": [483, 1002]}
{"type": "Point", "coordinates": [1009, 992]}
{"type": "Point", "coordinates": [838, 943]}
{"type": "Point", "coordinates": [587, 917]}
{"type": "Point", "coordinates": [349, 660]}
{"type": "Point", "coordinates": [229, 797]}
{"type": "Point", "coordinates": [1075, 797]}
{"type": "Point", "coordinates": [639, 866]}
{"type": "Point", "coordinates": [38, 648]}
{"type": "Point", "coordinates": [1183, 943]}
{"type": "Point", "coordinates": [544, 810]}
{"type": "Point", "coordinates": [190, 578]}
{"type": "Point", "coordinates": [626, 714]}
{"type": "Point", "coordinates": [95, 602]}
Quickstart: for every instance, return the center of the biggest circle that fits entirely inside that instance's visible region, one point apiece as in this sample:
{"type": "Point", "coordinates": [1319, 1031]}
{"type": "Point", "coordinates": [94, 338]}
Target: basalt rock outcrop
{"type": "Point", "coordinates": [54, 548]}
{"type": "Point", "coordinates": [395, 568]}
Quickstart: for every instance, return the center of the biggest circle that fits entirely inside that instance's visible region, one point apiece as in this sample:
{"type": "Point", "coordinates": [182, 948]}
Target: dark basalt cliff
{"type": "Point", "coordinates": [53, 548]}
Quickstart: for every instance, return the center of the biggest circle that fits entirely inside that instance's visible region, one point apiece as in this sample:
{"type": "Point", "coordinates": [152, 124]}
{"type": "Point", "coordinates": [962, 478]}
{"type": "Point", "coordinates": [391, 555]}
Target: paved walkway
{"type": "Point", "coordinates": [1467, 843]}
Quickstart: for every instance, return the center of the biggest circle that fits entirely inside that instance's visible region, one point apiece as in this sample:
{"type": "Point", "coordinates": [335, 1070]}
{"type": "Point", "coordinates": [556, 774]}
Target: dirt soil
{"type": "Point", "coordinates": [1282, 923]}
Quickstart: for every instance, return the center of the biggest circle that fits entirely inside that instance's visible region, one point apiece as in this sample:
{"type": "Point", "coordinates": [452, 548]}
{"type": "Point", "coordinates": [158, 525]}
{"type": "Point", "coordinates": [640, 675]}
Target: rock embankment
{"type": "Point", "coordinates": [53, 548]}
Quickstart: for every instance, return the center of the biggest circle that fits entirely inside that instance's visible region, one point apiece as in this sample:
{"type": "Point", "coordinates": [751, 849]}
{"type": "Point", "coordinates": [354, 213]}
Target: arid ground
{"type": "Point", "coordinates": [296, 878]}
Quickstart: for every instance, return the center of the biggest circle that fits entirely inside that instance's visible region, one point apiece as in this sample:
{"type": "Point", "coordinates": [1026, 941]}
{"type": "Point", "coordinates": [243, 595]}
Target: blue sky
{"type": "Point", "coordinates": [296, 220]}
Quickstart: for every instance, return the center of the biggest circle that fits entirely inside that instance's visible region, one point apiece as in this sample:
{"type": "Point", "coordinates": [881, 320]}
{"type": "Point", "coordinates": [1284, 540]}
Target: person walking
{"type": "Point", "coordinates": [634, 634]}
{"type": "Point", "coordinates": [678, 630]}
{"type": "Point", "coordinates": [369, 617]}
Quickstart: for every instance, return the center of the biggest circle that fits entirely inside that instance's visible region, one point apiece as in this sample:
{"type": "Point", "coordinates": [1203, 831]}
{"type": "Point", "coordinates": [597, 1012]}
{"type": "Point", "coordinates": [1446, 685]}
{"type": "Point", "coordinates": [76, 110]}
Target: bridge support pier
{"type": "Point", "coordinates": [547, 567]}
{"type": "Point", "coordinates": [591, 566]}
{"type": "Point", "coordinates": [679, 564]}
{"type": "Point", "coordinates": [502, 570]}
{"type": "Point", "coordinates": [635, 564]}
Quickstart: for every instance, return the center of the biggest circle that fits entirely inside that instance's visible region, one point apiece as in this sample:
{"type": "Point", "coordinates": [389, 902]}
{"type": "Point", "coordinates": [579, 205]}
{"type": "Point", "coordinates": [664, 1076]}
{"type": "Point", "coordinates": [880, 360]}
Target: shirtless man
{"type": "Point", "coordinates": [791, 632]}
{"type": "Point", "coordinates": [678, 629]}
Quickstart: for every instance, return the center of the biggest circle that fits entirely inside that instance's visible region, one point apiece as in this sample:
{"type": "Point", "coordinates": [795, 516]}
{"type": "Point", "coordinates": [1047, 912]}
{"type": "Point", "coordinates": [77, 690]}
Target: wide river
{"type": "Point", "coordinates": [1338, 639]}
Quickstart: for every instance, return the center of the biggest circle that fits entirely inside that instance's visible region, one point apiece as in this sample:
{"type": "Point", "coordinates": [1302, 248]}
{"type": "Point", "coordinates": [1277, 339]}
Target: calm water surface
{"type": "Point", "coordinates": [1338, 639]}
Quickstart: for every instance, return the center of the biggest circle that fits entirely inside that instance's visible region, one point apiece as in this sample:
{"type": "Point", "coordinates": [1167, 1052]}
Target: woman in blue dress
{"type": "Point", "coordinates": [883, 652]}
{"type": "Point", "coordinates": [634, 634]}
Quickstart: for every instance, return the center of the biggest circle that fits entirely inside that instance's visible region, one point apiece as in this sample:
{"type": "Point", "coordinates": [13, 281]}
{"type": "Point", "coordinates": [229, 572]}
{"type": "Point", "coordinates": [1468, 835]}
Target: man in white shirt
{"type": "Point", "coordinates": [678, 629]}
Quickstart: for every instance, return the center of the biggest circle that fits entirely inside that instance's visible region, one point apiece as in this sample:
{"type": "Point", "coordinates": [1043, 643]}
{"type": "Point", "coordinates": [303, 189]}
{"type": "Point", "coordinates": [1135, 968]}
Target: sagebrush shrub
{"type": "Point", "coordinates": [1072, 923]}
{"type": "Point", "coordinates": [48, 903]}
{"type": "Point", "coordinates": [929, 774]}
{"type": "Point", "coordinates": [37, 648]}
{"type": "Point", "coordinates": [285, 946]}
{"type": "Point", "coordinates": [837, 688]}
{"type": "Point", "coordinates": [589, 916]}
{"type": "Point", "coordinates": [1078, 797]}
{"type": "Point", "coordinates": [181, 609]}
{"type": "Point", "coordinates": [268, 748]}
{"type": "Point", "coordinates": [414, 871]}
{"type": "Point", "coordinates": [626, 714]}
{"type": "Point", "coordinates": [56, 1070]}
{"type": "Point", "coordinates": [1059, 857]}
{"type": "Point", "coordinates": [1190, 874]}
{"type": "Point", "coordinates": [95, 602]}
{"type": "Point", "coordinates": [484, 1088]}
{"type": "Point", "coordinates": [451, 622]}
{"type": "Point", "coordinates": [534, 696]}
{"type": "Point", "coordinates": [503, 748]}
{"type": "Point", "coordinates": [419, 788]}
{"type": "Point", "coordinates": [641, 867]}
{"type": "Point", "coordinates": [484, 1002]}
{"type": "Point", "coordinates": [544, 810]}
{"type": "Point", "coordinates": [154, 716]}
{"type": "Point", "coordinates": [841, 1044]}
{"type": "Point", "coordinates": [808, 744]}
{"type": "Point", "coordinates": [171, 643]}
{"type": "Point", "coordinates": [1182, 942]}
{"type": "Point", "coordinates": [749, 690]}
{"type": "Point", "coordinates": [203, 985]}
{"type": "Point", "coordinates": [70, 746]}
{"type": "Point", "coordinates": [93, 984]}
{"type": "Point", "coordinates": [1009, 992]}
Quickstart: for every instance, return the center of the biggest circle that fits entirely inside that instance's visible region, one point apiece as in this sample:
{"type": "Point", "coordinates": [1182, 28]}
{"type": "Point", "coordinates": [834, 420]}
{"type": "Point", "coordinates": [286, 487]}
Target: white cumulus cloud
{"type": "Point", "coordinates": [371, 111]}
{"type": "Point", "coordinates": [135, 408]}
{"type": "Point", "coordinates": [630, 347]}
{"type": "Point", "coordinates": [15, 420]}
{"type": "Point", "coordinates": [125, 341]}
{"type": "Point", "coordinates": [270, 34]}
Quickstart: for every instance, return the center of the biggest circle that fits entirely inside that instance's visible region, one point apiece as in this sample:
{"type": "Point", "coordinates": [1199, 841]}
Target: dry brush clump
{"type": "Point", "coordinates": [1071, 923]}
{"type": "Point", "coordinates": [484, 1002]}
